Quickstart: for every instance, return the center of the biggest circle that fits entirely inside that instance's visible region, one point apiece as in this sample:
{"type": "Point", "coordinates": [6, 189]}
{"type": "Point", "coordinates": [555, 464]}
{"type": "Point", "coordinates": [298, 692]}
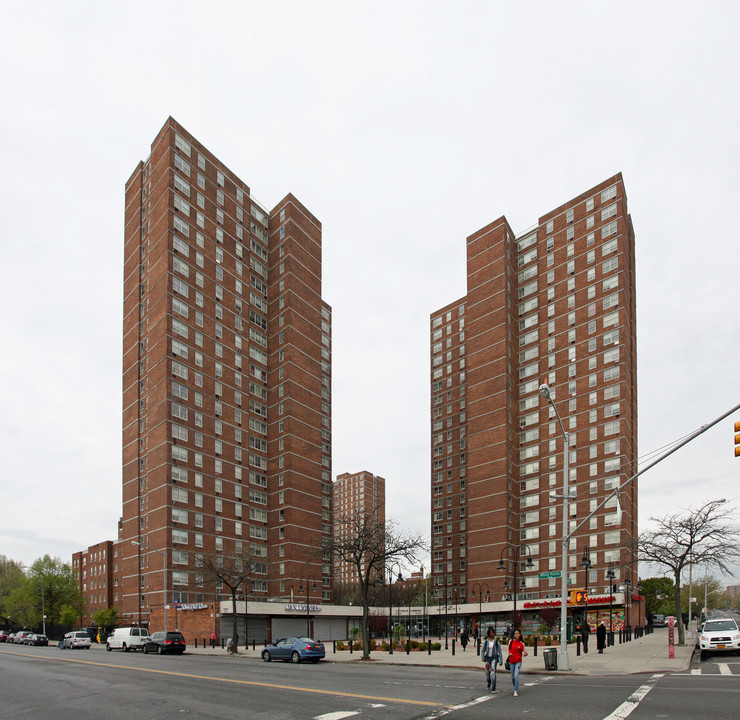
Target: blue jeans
{"type": "Point", "coordinates": [491, 674]}
{"type": "Point", "coordinates": [515, 669]}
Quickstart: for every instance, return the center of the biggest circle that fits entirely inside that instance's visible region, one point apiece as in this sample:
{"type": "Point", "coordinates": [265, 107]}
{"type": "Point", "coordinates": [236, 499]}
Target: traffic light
{"type": "Point", "coordinates": [578, 597]}
{"type": "Point", "coordinates": [737, 439]}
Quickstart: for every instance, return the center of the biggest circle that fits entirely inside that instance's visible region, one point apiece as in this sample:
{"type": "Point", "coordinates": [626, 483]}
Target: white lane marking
{"type": "Point", "coordinates": [626, 708]}
{"type": "Point", "coordinates": [452, 708]}
{"type": "Point", "coordinates": [335, 715]}
{"type": "Point", "coordinates": [539, 680]}
{"type": "Point", "coordinates": [696, 671]}
{"type": "Point", "coordinates": [724, 669]}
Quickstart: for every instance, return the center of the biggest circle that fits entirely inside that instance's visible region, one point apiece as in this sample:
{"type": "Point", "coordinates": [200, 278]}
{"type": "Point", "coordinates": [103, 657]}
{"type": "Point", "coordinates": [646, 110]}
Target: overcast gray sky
{"type": "Point", "coordinates": [404, 127]}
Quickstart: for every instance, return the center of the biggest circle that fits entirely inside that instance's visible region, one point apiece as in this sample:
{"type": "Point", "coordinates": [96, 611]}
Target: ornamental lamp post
{"type": "Point", "coordinates": [516, 553]}
{"type": "Point", "coordinates": [389, 570]}
{"type": "Point", "coordinates": [610, 576]}
{"type": "Point", "coordinates": [300, 590]}
{"type": "Point", "coordinates": [586, 565]}
{"type": "Point", "coordinates": [480, 605]}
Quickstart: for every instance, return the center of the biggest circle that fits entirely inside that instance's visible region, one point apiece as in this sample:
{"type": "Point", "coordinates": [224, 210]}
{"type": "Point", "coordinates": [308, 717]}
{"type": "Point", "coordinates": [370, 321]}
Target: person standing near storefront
{"type": "Point", "coordinates": [585, 632]}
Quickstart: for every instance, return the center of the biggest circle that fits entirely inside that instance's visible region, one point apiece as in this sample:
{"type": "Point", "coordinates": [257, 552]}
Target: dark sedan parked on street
{"type": "Point", "coordinates": [165, 642]}
{"type": "Point", "coordinates": [37, 639]}
{"type": "Point", "coordinates": [295, 649]}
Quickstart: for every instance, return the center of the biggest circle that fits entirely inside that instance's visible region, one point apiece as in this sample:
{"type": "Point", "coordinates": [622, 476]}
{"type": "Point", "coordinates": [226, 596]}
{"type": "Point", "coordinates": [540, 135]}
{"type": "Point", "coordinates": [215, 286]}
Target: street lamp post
{"type": "Point", "coordinates": [586, 565]}
{"type": "Point", "coordinates": [563, 659]}
{"type": "Point", "coordinates": [480, 606]}
{"type": "Point", "coordinates": [516, 553]}
{"type": "Point", "coordinates": [308, 607]}
{"type": "Point", "coordinates": [456, 596]}
{"type": "Point", "coordinates": [610, 576]}
{"type": "Point", "coordinates": [43, 609]}
{"type": "Point", "coordinates": [141, 543]}
{"type": "Point", "coordinates": [627, 598]}
{"type": "Point", "coordinates": [389, 570]}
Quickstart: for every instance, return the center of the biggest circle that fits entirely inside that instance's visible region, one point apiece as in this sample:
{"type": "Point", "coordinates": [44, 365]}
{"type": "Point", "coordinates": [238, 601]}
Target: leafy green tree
{"type": "Point", "coordinates": [68, 615]}
{"type": "Point", "coordinates": [55, 582]}
{"type": "Point", "coordinates": [715, 594]}
{"type": "Point", "coordinates": [11, 578]}
{"type": "Point", "coordinates": [106, 617]}
{"type": "Point", "coordinates": [20, 608]}
{"type": "Point", "coordinates": [658, 593]}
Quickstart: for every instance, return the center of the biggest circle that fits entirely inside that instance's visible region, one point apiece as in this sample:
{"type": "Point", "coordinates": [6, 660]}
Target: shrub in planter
{"type": "Point", "coordinates": [358, 645]}
{"type": "Point", "coordinates": [340, 645]}
{"type": "Point", "coordinates": [414, 644]}
{"type": "Point", "coordinates": [437, 646]}
{"type": "Point", "coordinates": [385, 646]}
{"type": "Point", "coordinates": [373, 645]}
{"type": "Point", "coordinates": [422, 646]}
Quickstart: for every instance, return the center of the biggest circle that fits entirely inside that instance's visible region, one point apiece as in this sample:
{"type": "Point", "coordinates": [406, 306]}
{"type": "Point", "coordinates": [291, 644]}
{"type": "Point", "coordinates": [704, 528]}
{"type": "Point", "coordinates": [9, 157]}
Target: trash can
{"type": "Point", "coordinates": [551, 659]}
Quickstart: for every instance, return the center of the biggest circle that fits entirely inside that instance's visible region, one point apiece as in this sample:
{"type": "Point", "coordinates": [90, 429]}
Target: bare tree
{"type": "Point", "coordinates": [369, 546]}
{"type": "Point", "coordinates": [701, 536]}
{"type": "Point", "coordinates": [233, 572]}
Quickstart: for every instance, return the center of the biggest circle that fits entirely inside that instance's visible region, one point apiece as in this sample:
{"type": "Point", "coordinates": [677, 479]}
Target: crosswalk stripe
{"type": "Point", "coordinates": [632, 701]}
{"type": "Point", "coordinates": [724, 669]}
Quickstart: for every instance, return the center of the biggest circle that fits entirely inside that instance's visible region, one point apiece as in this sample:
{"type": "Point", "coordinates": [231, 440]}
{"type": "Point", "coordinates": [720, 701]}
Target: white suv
{"type": "Point", "coordinates": [719, 635]}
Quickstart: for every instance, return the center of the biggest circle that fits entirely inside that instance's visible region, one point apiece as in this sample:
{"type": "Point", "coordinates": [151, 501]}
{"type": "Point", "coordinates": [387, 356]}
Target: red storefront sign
{"type": "Point", "coordinates": [592, 600]}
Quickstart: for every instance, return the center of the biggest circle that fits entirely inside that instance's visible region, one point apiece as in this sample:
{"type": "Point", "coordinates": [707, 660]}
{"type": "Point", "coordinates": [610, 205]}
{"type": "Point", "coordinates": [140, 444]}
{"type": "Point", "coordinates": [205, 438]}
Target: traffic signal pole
{"type": "Point", "coordinates": [684, 442]}
{"type": "Point", "coordinates": [563, 662]}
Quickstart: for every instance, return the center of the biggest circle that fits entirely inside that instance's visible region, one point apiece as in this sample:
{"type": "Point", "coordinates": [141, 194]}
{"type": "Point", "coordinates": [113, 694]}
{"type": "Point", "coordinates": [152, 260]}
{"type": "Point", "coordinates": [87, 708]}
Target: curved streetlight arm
{"type": "Point", "coordinates": [652, 464]}
{"type": "Point", "coordinates": [545, 393]}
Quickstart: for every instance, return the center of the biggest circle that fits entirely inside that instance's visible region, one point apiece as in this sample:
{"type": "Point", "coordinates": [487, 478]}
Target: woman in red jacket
{"type": "Point", "coordinates": [516, 651]}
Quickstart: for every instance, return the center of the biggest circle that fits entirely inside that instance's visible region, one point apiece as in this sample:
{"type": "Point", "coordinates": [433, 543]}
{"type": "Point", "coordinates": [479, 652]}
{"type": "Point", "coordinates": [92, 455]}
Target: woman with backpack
{"type": "Point", "coordinates": [490, 654]}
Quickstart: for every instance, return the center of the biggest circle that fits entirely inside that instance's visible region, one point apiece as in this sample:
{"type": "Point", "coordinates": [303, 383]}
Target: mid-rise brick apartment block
{"type": "Point", "coordinates": [355, 494]}
{"type": "Point", "coordinates": [553, 305]}
{"type": "Point", "coordinates": [226, 387]}
{"type": "Point", "coordinates": [94, 569]}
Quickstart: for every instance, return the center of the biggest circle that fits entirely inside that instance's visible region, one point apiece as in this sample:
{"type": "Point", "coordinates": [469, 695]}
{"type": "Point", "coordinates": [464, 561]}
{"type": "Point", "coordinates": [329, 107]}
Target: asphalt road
{"type": "Point", "coordinates": [47, 682]}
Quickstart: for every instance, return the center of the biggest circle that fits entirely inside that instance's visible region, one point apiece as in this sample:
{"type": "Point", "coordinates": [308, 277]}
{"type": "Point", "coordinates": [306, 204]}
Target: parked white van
{"type": "Point", "coordinates": [128, 638]}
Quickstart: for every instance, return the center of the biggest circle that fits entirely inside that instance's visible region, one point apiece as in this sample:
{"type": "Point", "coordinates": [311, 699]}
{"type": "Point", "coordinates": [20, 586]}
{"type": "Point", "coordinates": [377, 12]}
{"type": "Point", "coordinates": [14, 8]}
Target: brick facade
{"type": "Point", "coordinates": [555, 305]}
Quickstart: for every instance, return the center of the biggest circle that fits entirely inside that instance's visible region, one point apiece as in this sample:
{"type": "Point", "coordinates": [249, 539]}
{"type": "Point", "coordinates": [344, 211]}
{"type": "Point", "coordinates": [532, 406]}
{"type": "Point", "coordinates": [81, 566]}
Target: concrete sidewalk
{"type": "Point", "coordinates": [646, 655]}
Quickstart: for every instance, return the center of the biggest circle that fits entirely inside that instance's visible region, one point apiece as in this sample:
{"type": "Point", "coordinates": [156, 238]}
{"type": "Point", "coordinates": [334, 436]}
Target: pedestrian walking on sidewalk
{"type": "Point", "coordinates": [601, 637]}
{"type": "Point", "coordinates": [516, 652]}
{"type": "Point", "coordinates": [585, 632]}
{"type": "Point", "coordinates": [490, 654]}
{"type": "Point", "coordinates": [464, 639]}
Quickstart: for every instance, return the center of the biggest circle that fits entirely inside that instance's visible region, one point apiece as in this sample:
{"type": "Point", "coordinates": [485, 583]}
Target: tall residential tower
{"type": "Point", "coordinates": [226, 385]}
{"type": "Point", "coordinates": [553, 305]}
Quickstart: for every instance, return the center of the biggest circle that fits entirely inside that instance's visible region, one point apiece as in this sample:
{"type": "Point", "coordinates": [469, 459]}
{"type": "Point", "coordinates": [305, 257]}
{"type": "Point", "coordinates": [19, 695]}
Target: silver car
{"type": "Point", "coordinates": [77, 639]}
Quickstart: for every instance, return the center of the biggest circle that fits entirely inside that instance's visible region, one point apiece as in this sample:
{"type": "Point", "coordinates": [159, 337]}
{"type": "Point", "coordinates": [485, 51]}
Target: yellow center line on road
{"type": "Point", "coordinates": [229, 680]}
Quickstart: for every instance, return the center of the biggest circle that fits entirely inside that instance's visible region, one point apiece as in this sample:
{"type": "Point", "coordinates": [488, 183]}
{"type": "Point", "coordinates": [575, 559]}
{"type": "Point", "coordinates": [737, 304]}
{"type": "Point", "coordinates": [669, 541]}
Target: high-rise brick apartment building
{"type": "Point", "coordinates": [355, 494]}
{"type": "Point", "coordinates": [226, 385]}
{"type": "Point", "coordinates": [554, 305]}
